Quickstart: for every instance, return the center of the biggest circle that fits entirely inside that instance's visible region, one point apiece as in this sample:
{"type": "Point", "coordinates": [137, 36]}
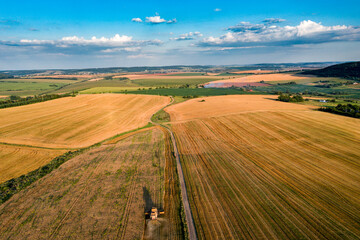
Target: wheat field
{"type": "Point", "coordinates": [272, 174]}
{"type": "Point", "coordinates": [75, 122]}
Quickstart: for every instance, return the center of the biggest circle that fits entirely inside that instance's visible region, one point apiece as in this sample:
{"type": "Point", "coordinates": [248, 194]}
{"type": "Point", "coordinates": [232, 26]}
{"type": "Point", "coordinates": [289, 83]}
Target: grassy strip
{"type": "Point", "coordinates": [161, 117]}
{"type": "Point", "coordinates": [32, 146]}
{"type": "Point", "coordinates": [121, 134]}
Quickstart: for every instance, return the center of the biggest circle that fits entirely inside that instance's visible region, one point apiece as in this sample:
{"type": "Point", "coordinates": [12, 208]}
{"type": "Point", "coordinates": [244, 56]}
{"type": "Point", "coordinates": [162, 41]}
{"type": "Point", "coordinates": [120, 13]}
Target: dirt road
{"type": "Point", "coordinates": [184, 195]}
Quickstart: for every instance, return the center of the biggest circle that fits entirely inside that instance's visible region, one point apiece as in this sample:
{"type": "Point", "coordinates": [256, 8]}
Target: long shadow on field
{"type": "Point", "coordinates": [147, 199]}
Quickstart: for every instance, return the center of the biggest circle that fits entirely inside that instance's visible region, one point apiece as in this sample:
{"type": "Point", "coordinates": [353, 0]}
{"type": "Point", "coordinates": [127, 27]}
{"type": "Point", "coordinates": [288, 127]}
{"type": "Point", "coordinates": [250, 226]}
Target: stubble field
{"type": "Point", "coordinates": [102, 193]}
{"type": "Point", "coordinates": [18, 160]}
{"type": "Point", "coordinates": [75, 122]}
{"type": "Point", "coordinates": [270, 174]}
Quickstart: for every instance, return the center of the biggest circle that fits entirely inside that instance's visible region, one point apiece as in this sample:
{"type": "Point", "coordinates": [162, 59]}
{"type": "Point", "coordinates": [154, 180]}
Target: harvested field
{"type": "Point", "coordinates": [254, 71]}
{"type": "Point", "coordinates": [235, 84]}
{"type": "Point", "coordinates": [262, 77]}
{"type": "Point", "coordinates": [19, 160]}
{"type": "Point", "coordinates": [74, 122]}
{"type": "Point", "coordinates": [102, 193]}
{"type": "Point", "coordinates": [223, 105]}
{"type": "Point", "coordinates": [165, 76]}
{"type": "Point", "coordinates": [272, 174]}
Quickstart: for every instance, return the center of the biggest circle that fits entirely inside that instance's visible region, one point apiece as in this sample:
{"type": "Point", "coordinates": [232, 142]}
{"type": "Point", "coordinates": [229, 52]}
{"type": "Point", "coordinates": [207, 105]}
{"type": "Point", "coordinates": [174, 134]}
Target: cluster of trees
{"type": "Point", "coordinates": [350, 110]}
{"type": "Point", "coordinates": [190, 96]}
{"type": "Point", "coordinates": [5, 76]}
{"type": "Point", "coordinates": [14, 101]}
{"type": "Point", "coordinates": [288, 98]}
{"type": "Point", "coordinates": [331, 85]}
{"type": "Point", "coordinates": [287, 83]}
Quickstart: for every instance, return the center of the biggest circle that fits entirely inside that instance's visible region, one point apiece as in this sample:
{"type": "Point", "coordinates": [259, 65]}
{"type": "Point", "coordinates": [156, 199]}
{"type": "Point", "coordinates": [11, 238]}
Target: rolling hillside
{"type": "Point", "coordinates": [349, 70]}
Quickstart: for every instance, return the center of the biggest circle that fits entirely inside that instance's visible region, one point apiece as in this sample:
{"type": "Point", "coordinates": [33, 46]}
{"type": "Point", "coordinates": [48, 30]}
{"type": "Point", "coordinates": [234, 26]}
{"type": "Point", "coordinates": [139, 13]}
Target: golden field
{"type": "Point", "coordinates": [101, 193]}
{"type": "Point", "coordinates": [75, 122]}
{"type": "Point", "coordinates": [267, 173]}
{"type": "Point", "coordinates": [19, 160]}
{"type": "Point", "coordinates": [223, 105]}
{"type": "Point", "coordinates": [261, 77]}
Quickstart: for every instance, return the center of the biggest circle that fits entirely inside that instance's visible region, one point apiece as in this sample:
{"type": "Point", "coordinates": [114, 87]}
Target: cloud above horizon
{"type": "Point", "coordinates": [246, 34]}
{"type": "Point", "coordinates": [154, 20]}
{"type": "Point", "coordinates": [75, 44]}
{"type": "Point", "coordinates": [137, 20]}
{"type": "Point", "coordinates": [188, 36]}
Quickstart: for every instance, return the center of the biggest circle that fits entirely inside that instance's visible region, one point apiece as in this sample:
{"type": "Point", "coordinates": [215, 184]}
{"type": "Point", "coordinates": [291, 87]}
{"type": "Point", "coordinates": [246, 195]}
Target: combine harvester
{"type": "Point", "coordinates": [154, 213]}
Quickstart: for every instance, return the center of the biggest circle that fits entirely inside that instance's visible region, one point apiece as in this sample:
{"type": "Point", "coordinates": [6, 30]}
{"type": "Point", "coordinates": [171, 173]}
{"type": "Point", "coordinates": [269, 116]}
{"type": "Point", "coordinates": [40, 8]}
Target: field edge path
{"type": "Point", "coordinates": [184, 195]}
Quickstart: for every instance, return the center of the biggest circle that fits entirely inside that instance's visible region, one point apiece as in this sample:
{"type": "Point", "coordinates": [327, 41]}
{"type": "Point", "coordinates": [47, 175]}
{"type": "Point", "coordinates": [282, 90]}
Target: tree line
{"type": "Point", "coordinates": [349, 110]}
{"type": "Point", "coordinates": [14, 101]}
{"type": "Point", "coordinates": [288, 98]}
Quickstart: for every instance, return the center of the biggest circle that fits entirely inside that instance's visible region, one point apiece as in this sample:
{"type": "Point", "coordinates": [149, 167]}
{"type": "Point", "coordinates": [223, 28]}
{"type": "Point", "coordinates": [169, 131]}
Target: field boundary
{"type": "Point", "coordinates": [184, 196]}
{"type": "Point", "coordinates": [15, 185]}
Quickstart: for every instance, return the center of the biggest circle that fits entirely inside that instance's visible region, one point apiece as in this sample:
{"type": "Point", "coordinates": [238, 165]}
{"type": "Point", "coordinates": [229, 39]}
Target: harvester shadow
{"type": "Point", "coordinates": [147, 199]}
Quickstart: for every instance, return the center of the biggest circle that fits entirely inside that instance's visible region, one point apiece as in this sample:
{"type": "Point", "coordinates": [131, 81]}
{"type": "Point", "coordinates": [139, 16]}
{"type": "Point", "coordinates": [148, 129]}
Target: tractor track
{"type": "Point", "coordinates": [125, 216]}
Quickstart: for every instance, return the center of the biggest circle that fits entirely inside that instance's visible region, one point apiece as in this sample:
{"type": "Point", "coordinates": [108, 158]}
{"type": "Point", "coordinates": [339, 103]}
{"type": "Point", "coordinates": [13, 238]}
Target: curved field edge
{"type": "Point", "coordinates": [15, 185]}
{"type": "Point", "coordinates": [77, 122]}
{"type": "Point", "coordinates": [85, 186]}
{"type": "Point", "coordinates": [19, 160]}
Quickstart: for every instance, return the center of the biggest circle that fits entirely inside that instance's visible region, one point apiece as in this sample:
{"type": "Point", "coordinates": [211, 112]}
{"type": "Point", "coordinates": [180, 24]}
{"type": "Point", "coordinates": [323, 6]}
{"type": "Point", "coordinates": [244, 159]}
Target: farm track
{"type": "Point", "coordinates": [184, 193]}
{"type": "Point", "coordinates": [276, 174]}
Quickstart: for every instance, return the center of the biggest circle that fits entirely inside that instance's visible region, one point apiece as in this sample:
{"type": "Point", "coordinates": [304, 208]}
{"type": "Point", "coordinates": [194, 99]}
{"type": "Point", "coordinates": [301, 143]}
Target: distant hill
{"type": "Point", "coordinates": [177, 68]}
{"type": "Point", "coordinates": [4, 76]}
{"type": "Point", "coordinates": [349, 70]}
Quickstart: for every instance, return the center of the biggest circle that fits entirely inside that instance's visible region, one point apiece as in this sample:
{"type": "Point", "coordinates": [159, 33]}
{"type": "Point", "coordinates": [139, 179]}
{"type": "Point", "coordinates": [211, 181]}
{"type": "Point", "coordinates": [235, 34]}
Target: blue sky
{"type": "Point", "coordinates": [78, 34]}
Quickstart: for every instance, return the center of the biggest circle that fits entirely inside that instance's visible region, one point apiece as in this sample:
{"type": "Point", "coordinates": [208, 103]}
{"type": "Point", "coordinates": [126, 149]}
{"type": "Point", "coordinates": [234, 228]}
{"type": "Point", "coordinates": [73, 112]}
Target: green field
{"type": "Point", "coordinates": [312, 80]}
{"type": "Point", "coordinates": [40, 80]}
{"type": "Point", "coordinates": [190, 92]}
{"type": "Point", "coordinates": [26, 88]}
{"type": "Point", "coordinates": [83, 85]}
{"type": "Point", "coordinates": [172, 82]}
{"type": "Point", "coordinates": [189, 74]}
{"type": "Point", "coordinates": [97, 90]}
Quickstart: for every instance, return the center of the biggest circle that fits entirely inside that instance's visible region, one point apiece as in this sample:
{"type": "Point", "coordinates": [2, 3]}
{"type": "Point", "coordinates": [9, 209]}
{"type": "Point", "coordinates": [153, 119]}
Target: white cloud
{"type": "Point", "coordinates": [114, 41]}
{"type": "Point", "coordinates": [172, 21]}
{"type": "Point", "coordinates": [136, 20]}
{"type": "Point", "coordinates": [217, 9]}
{"type": "Point", "coordinates": [80, 45]}
{"type": "Point", "coordinates": [139, 56]}
{"type": "Point", "coordinates": [273, 20]}
{"type": "Point", "coordinates": [307, 32]}
{"type": "Point", "coordinates": [157, 19]}
{"type": "Point", "coordinates": [187, 36]}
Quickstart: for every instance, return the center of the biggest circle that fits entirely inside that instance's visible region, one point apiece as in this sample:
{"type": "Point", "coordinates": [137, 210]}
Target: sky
{"type": "Point", "coordinates": [42, 34]}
